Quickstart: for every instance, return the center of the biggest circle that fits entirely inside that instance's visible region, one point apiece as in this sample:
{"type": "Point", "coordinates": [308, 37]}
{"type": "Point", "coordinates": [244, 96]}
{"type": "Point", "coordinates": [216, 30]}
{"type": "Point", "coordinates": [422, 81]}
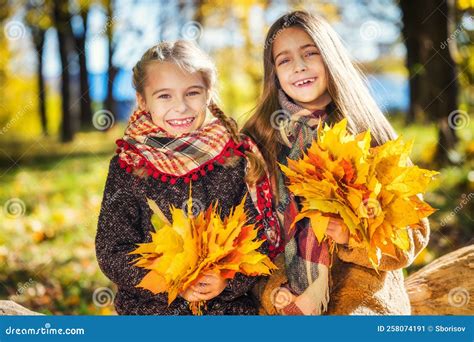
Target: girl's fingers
{"type": "Point", "coordinates": [201, 296]}
{"type": "Point", "coordinates": [335, 224]}
{"type": "Point", "coordinates": [202, 289]}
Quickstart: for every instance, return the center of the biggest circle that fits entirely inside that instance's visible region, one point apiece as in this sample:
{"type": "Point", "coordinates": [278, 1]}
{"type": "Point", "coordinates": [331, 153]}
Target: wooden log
{"type": "Point", "coordinates": [445, 286]}
{"type": "Point", "coordinates": [8, 308]}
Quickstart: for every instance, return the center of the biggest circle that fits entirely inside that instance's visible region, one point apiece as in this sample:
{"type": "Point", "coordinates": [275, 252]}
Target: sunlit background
{"type": "Point", "coordinates": [66, 93]}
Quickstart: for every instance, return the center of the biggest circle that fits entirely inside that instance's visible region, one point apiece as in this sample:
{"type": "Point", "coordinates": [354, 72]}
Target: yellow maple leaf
{"type": "Point", "coordinates": [374, 190]}
{"type": "Point", "coordinates": [182, 250]}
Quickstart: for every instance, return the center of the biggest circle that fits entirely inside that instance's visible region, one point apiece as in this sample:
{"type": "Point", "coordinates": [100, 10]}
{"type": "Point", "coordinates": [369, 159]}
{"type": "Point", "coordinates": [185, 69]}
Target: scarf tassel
{"type": "Point", "coordinates": [231, 149]}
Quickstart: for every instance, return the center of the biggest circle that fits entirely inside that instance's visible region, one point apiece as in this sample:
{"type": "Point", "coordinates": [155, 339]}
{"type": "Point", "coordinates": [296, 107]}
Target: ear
{"type": "Point", "coordinates": [140, 101]}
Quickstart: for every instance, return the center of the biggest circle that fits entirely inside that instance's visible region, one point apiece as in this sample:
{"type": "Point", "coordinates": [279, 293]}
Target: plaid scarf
{"type": "Point", "coordinates": [306, 260]}
{"type": "Point", "coordinates": [147, 148]}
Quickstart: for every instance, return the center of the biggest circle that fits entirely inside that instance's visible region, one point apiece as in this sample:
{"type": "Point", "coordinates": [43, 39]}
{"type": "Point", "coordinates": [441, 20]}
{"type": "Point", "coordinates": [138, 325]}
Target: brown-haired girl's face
{"type": "Point", "coordinates": [300, 68]}
{"type": "Point", "coordinates": [176, 99]}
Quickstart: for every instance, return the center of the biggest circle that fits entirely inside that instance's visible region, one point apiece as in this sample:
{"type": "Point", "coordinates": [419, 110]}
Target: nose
{"type": "Point", "coordinates": [180, 106]}
{"type": "Point", "coordinates": [300, 65]}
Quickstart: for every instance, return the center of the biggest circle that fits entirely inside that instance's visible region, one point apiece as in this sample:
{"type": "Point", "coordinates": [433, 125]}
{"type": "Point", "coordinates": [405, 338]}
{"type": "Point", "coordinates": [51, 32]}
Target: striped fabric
{"type": "Point", "coordinates": [175, 156]}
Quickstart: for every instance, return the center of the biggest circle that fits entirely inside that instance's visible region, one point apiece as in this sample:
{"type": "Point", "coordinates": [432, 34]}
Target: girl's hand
{"type": "Point", "coordinates": [208, 286]}
{"type": "Point", "coordinates": [190, 295]}
{"type": "Point", "coordinates": [338, 231]}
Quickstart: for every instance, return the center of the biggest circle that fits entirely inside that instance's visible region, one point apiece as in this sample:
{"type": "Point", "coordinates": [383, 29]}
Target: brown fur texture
{"type": "Point", "coordinates": [356, 288]}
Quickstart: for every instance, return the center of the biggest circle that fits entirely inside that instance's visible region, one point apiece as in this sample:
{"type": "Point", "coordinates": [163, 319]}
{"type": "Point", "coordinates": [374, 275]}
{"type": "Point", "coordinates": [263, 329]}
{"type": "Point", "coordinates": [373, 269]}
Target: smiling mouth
{"type": "Point", "coordinates": [181, 123]}
{"type": "Point", "coordinates": [304, 82]}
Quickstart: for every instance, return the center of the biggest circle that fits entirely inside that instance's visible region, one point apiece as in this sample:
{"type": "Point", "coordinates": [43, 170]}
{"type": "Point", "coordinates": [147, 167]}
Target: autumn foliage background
{"type": "Point", "coordinates": [66, 93]}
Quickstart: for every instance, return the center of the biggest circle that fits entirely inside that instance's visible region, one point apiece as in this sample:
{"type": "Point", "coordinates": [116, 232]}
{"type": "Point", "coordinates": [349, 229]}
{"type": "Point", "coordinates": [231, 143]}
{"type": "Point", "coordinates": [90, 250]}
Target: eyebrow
{"type": "Point", "coordinates": [301, 48]}
{"type": "Point", "coordinates": [169, 89]}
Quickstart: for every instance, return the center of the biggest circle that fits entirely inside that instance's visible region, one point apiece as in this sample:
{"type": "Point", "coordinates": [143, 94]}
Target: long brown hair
{"type": "Point", "coordinates": [346, 85]}
{"type": "Point", "coordinates": [189, 57]}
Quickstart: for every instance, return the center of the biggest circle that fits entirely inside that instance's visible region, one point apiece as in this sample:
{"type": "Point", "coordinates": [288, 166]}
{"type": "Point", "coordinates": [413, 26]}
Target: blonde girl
{"type": "Point", "coordinates": [179, 136]}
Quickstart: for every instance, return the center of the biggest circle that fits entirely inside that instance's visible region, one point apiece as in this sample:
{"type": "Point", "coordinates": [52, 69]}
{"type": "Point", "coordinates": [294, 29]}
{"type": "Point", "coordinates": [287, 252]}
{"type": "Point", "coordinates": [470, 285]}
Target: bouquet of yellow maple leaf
{"type": "Point", "coordinates": [374, 190]}
{"type": "Point", "coordinates": [181, 251]}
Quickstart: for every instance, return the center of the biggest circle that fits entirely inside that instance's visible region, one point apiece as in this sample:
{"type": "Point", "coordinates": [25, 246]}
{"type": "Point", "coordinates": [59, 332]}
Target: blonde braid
{"type": "Point", "coordinates": [228, 123]}
{"type": "Point", "coordinates": [256, 169]}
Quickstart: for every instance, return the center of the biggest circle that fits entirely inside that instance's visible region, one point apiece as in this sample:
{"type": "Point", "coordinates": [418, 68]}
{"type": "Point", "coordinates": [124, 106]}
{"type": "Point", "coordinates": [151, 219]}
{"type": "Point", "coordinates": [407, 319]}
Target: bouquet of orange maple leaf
{"type": "Point", "coordinates": [190, 246]}
{"type": "Point", "coordinates": [374, 190]}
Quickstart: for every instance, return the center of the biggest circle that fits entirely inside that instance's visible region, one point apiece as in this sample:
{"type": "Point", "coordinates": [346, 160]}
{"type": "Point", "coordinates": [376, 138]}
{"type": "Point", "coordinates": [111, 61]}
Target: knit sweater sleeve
{"type": "Point", "coordinates": [418, 238]}
{"type": "Point", "coordinates": [119, 229]}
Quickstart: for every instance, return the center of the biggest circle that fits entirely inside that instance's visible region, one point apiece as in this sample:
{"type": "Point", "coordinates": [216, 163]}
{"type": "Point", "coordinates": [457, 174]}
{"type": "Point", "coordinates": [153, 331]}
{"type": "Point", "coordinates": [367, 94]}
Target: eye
{"type": "Point", "coordinates": [193, 93]}
{"type": "Point", "coordinates": [164, 96]}
{"type": "Point", "coordinates": [311, 53]}
{"type": "Point", "coordinates": [283, 61]}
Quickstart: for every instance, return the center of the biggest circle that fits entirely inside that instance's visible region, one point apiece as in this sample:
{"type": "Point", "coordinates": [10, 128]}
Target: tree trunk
{"type": "Point", "coordinates": [444, 286]}
{"type": "Point", "coordinates": [65, 42]}
{"type": "Point", "coordinates": [38, 40]}
{"type": "Point", "coordinates": [441, 75]}
{"type": "Point", "coordinates": [8, 308]}
{"type": "Point", "coordinates": [112, 70]}
{"type": "Point", "coordinates": [85, 99]}
{"type": "Point", "coordinates": [411, 17]}
{"type": "Point", "coordinates": [432, 69]}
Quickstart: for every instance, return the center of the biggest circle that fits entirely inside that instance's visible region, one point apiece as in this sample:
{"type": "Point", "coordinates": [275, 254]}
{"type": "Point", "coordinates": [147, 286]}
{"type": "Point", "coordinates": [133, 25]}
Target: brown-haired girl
{"type": "Point", "coordinates": [309, 79]}
{"type": "Point", "coordinates": [171, 141]}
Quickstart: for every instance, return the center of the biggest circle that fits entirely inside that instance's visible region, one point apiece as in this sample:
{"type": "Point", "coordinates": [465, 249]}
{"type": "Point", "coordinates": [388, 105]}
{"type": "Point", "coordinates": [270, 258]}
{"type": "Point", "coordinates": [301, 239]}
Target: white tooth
{"type": "Point", "coordinates": [181, 122]}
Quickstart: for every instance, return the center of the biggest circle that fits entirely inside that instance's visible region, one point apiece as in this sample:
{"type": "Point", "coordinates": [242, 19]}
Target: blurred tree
{"type": "Point", "coordinates": [5, 12]}
{"type": "Point", "coordinates": [112, 70]}
{"type": "Point", "coordinates": [464, 51]}
{"type": "Point", "coordinates": [199, 9]}
{"type": "Point", "coordinates": [80, 45]}
{"type": "Point", "coordinates": [62, 22]}
{"type": "Point", "coordinates": [38, 19]}
{"type": "Point", "coordinates": [433, 74]}
{"type": "Point", "coordinates": [253, 51]}
{"type": "Point", "coordinates": [411, 17]}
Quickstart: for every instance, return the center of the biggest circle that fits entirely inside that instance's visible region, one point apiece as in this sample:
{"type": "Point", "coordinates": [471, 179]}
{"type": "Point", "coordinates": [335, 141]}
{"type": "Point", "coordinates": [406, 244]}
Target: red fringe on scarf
{"type": "Point", "coordinates": [230, 148]}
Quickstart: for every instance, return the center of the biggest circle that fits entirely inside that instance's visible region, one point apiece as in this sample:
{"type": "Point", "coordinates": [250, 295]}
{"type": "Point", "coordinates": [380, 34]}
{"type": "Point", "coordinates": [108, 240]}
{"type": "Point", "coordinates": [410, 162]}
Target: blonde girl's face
{"type": "Point", "coordinates": [300, 68]}
{"type": "Point", "coordinates": [176, 99]}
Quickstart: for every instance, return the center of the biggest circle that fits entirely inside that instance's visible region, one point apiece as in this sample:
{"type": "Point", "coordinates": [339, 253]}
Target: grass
{"type": "Point", "coordinates": [47, 256]}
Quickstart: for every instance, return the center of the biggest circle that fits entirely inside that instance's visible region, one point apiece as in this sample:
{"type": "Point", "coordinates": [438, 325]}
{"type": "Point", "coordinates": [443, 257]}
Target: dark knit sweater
{"type": "Point", "coordinates": [124, 221]}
